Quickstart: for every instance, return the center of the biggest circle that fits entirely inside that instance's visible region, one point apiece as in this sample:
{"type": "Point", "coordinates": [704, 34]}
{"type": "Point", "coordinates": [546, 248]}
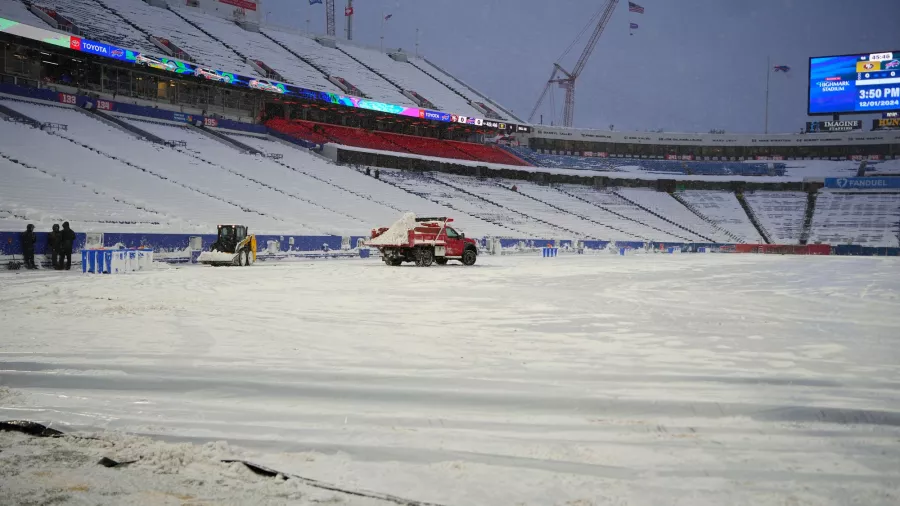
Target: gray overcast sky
{"type": "Point", "coordinates": [693, 65]}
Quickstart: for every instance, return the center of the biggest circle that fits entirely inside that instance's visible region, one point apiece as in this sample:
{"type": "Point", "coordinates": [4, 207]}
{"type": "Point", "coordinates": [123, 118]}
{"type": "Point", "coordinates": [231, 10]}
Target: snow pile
{"type": "Point", "coordinates": [66, 470]}
{"type": "Point", "coordinates": [397, 234]}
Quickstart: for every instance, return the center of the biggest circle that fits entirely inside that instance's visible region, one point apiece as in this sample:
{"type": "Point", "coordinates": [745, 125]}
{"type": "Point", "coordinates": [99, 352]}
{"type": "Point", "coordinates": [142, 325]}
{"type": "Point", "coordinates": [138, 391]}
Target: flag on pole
{"type": "Point", "coordinates": [389, 16]}
{"type": "Point", "coordinates": [348, 11]}
{"type": "Point", "coordinates": [633, 7]}
{"type": "Point", "coordinates": [782, 68]}
{"type": "Point", "coordinates": [313, 2]}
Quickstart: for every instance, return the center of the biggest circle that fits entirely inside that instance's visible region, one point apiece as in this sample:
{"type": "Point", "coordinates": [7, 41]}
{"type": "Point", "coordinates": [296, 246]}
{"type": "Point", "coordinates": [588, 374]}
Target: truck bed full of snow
{"type": "Point", "coordinates": [579, 380]}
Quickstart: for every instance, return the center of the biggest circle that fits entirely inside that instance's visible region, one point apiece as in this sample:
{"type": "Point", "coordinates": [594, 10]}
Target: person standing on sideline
{"type": "Point", "coordinates": [67, 242]}
{"type": "Point", "coordinates": [53, 241]}
{"type": "Point", "coordinates": [28, 239]}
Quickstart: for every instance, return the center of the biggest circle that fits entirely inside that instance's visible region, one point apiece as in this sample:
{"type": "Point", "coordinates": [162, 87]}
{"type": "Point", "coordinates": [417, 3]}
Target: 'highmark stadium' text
{"type": "Point", "coordinates": [833, 85]}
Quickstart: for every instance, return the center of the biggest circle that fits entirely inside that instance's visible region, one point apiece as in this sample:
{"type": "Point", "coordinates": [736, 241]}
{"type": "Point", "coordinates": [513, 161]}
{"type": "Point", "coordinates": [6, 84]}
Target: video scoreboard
{"type": "Point", "coordinates": [859, 83]}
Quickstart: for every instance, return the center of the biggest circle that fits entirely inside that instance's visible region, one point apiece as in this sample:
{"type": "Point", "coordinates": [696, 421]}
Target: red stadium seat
{"type": "Point", "coordinates": [386, 141]}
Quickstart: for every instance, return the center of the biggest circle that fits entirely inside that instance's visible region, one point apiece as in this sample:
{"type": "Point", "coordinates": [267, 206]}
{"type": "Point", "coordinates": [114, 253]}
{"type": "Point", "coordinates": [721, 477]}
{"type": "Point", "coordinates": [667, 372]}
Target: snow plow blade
{"type": "Point", "coordinates": [218, 259]}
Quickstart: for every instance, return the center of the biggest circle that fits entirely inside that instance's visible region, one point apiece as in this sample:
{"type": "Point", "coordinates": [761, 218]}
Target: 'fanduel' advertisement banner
{"type": "Point", "coordinates": [862, 183]}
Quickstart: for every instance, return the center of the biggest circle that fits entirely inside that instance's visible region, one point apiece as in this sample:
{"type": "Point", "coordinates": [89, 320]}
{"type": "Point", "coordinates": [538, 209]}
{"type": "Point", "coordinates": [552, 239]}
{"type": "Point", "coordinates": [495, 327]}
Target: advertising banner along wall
{"type": "Point", "coordinates": [833, 126]}
{"type": "Point", "coordinates": [862, 183]}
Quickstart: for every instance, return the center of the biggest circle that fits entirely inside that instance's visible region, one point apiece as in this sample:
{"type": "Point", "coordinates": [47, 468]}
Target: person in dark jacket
{"type": "Point", "coordinates": [28, 239]}
{"type": "Point", "coordinates": [53, 241]}
{"type": "Point", "coordinates": [66, 243]}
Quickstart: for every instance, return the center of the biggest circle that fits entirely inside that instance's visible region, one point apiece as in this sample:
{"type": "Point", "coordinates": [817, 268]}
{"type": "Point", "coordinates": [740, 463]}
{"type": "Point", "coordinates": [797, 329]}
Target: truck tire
{"type": "Point", "coordinates": [241, 258]}
{"type": "Point", "coordinates": [440, 261]}
{"type": "Point", "coordinates": [424, 257]}
{"type": "Point", "coordinates": [469, 257]}
{"type": "Point", "coordinates": [249, 258]}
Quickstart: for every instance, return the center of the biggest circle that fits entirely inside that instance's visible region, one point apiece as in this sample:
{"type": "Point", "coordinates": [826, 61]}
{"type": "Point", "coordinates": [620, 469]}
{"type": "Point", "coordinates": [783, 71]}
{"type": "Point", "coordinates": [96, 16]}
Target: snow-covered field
{"type": "Point", "coordinates": [579, 380]}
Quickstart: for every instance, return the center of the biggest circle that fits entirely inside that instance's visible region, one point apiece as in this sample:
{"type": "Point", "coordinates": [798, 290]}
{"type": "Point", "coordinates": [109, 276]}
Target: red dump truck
{"type": "Point", "coordinates": [423, 241]}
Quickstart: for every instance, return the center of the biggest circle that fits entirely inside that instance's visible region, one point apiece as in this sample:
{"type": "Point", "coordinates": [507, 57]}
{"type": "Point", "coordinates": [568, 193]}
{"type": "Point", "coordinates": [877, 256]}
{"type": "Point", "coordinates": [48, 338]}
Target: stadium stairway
{"type": "Point", "coordinates": [571, 212]}
{"type": "Point", "coordinates": [620, 215]}
{"type": "Point", "coordinates": [487, 99]}
{"type": "Point", "coordinates": [811, 198]}
{"type": "Point", "coordinates": [386, 179]}
{"type": "Point", "coordinates": [301, 58]}
{"type": "Point", "coordinates": [325, 181]}
{"type": "Point", "coordinates": [200, 191]}
{"type": "Point", "coordinates": [122, 125]}
{"type": "Point", "coordinates": [752, 216]}
{"type": "Point", "coordinates": [124, 20]}
{"type": "Point", "coordinates": [700, 215]}
{"type": "Point", "coordinates": [267, 185]}
{"type": "Point", "coordinates": [210, 35]}
{"type": "Point", "coordinates": [340, 188]}
{"type": "Point", "coordinates": [225, 139]}
{"type": "Point", "coordinates": [393, 199]}
{"type": "Point", "coordinates": [372, 70]}
{"type": "Point", "coordinates": [81, 193]}
{"type": "Point", "coordinates": [13, 115]}
{"type": "Point", "coordinates": [454, 90]}
{"type": "Point", "coordinates": [667, 220]}
{"type": "Point", "coordinates": [515, 211]}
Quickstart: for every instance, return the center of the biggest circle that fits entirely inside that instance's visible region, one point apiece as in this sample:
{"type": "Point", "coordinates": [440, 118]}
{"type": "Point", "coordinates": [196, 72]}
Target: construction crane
{"type": "Point", "coordinates": [329, 17]}
{"type": "Point", "coordinates": [565, 79]}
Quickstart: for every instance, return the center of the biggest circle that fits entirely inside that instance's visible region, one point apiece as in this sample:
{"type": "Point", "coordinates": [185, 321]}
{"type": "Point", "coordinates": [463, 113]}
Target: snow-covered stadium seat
{"type": "Point", "coordinates": [626, 215]}
{"type": "Point", "coordinates": [510, 223]}
{"type": "Point", "coordinates": [183, 209]}
{"type": "Point", "coordinates": [348, 180]}
{"type": "Point", "coordinates": [337, 63]}
{"type": "Point", "coordinates": [723, 209]}
{"type": "Point", "coordinates": [412, 78]}
{"type": "Point", "coordinates": [42, 197]}
{"type": "Point", "coordinates": [685, 167]}
{"type": "Point", "coordinates": [257, 47]}
{"type": "Point", "coordinates": [322, 203]}
{"type": "Point", "coordinates": [461, 88]}
{"type": "Point", "coordinates": [15, 10]}
{"type": "Point", "coordinates": [164, 23]}
{"type": "Point", "coordinates": [780, 213]}
{"type": "Point", "coordinates": [500, 193]}
{"type": "Point", "coordinates": [666, 206]}
{"type": "Point", "coordinates": [869, 219]}
{"type": "Point", "coordinates": [101, 24]}
{"type": "Point", "coordinates": [249, 203]}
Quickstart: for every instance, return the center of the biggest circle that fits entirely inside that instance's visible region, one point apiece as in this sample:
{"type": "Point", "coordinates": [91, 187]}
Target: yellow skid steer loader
{"type": "Point", "coordinates": [233, 246]}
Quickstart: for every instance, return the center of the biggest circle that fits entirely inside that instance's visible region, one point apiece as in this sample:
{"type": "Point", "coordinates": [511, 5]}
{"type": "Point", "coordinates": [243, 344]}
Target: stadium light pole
{"type": "Point", "coordinates": [350, 20]}
{"type": "Point", "coordinates": [768, 73]}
